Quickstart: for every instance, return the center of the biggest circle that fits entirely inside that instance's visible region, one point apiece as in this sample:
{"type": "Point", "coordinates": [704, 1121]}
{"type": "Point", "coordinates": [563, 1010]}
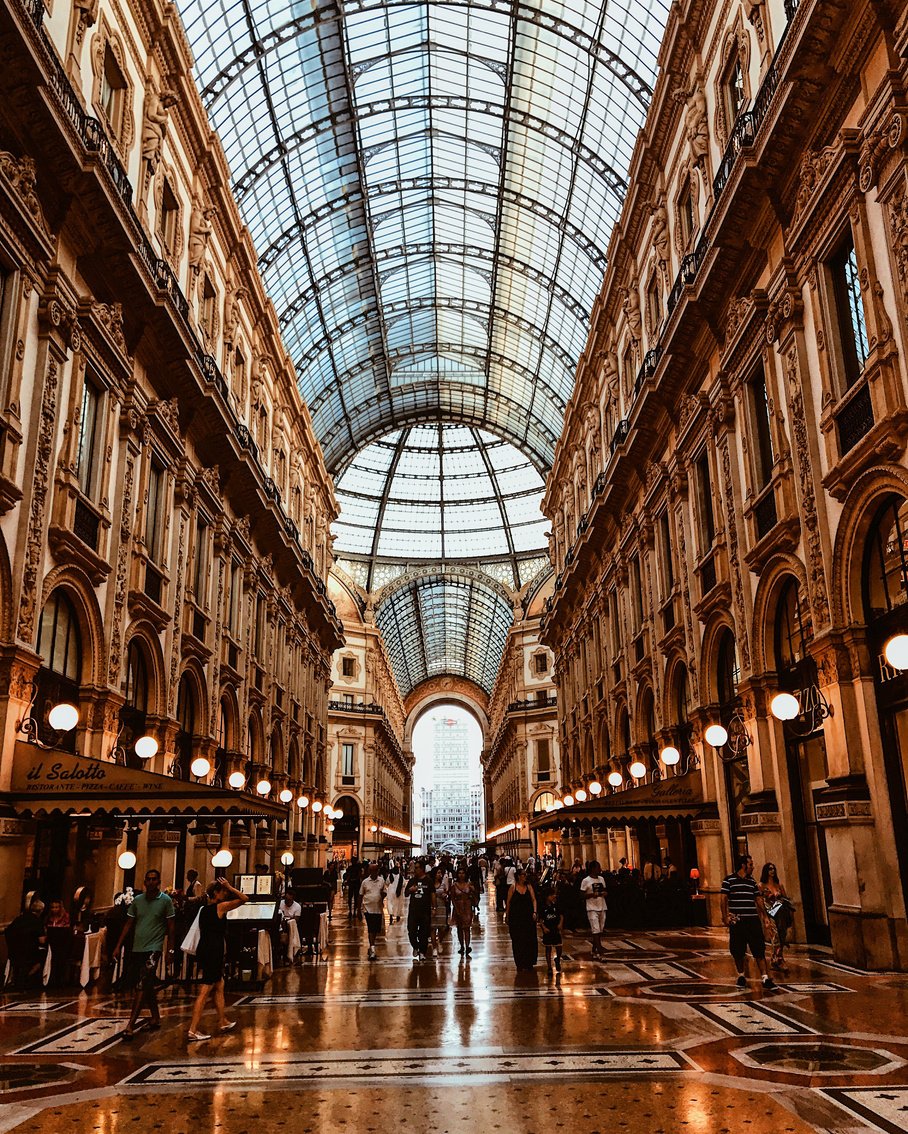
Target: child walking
{"type": "Point", "coordinates": [552, 927]}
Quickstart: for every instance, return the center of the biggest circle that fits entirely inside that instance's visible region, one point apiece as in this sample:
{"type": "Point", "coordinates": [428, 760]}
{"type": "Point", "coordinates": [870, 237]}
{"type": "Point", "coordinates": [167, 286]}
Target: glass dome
{"type": "Point", "coordinates": [440, 492]}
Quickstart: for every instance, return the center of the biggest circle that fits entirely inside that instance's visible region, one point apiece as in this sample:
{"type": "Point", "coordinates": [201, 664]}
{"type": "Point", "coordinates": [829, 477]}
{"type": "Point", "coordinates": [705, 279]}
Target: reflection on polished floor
{"type": "Point", "coordinates": [656, 1038]}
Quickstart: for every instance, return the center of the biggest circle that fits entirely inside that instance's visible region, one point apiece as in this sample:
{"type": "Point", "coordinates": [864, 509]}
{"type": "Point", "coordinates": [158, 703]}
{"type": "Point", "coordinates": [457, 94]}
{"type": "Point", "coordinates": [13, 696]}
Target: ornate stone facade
{"type": "Point", "coordinates": [138, 483]}
{"type": "Point", "coordinates": [773, 391]}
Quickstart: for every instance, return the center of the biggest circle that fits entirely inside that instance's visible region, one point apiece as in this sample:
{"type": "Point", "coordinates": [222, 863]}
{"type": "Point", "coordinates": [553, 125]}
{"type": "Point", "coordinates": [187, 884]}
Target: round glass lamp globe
{"type": "Point", "coordinates": [716, 735]}
{"type": "Point", "coordinates": [549, 807]}
{"type": "Point", "coordinates": [329, 811]}
{"type": "Point", "coordinates": [784, 707]}
{"type": "Point", "coordinates": [580, 795]}
{"type": "Point", "coordinates": [896, 651]}
{"type": "Point", "coordinates": [615, 779]}
{"type": "Point", "coordinates": [637, 770]}
{"type": "Point", "coordinates": [373, 828]}
{"type": "Point", "coordinates": [670, 755]}
{"type": "Point", "coordinates": [317, 806]}
{"type": "Point", "coordinates": [286, 795]}
{"type": "Point", "coordinates": [146, 747]}
{"type": "Point", "coordinates": [302, 802]}
{"type": "Point", "coordinates": [595, 788]}
{"type": "Point", "coordinates": [64, 717]}
{"type": "Point", "coordinates": [221, 859]}
{"type": "Point", "coordinates": [127, 860]}
{"type": "Point", "coordinates": [236, 780]}
{"type": "Point", "coordinates": [287, 858]}
{"type": "Point", "coordinates": [263, 787]}
{"type": "Point", "coordinates": [569, 800]}
{"type": "Point", "coordinates": [558, 805]}
{"type": "Point", "coordinates": [329, 827]}
{"type": "Point", "coordinates": [338, 813]}
{"type": "Point", "coordinates": [200, 767]}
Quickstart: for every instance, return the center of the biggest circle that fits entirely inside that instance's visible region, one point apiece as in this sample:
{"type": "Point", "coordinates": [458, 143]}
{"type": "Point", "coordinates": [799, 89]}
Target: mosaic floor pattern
{"type": "Point", "coordinates": [656, 1037]}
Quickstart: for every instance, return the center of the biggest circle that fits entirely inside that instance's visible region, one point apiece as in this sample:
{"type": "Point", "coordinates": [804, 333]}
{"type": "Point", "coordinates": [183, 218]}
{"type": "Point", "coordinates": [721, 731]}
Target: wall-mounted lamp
{"type": "Point", "coordinates": [62, 718]}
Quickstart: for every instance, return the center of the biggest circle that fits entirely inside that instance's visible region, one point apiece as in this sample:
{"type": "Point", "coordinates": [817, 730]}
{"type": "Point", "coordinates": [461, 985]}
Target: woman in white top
{"type": "Point", "coordinates": [395, 895]}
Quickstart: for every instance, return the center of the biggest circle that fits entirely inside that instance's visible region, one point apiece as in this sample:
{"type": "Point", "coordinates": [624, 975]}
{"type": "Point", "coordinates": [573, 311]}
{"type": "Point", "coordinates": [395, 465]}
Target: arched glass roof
{"type": "Point", "coordinates": [441, 624]}
{"type": "Point", "coordinates": [431, 188]}
{"type": "Point", "coordinates": [440, 492]}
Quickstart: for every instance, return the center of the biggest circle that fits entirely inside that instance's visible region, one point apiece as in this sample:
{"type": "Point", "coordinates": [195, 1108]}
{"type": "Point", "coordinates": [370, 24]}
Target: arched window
{"type": "Point", "coordinates": [58, 638]}
{"type": "Point", "coordinates": [186, 718]}
{"type": "Point", "coordinates": [681, 713]}
{"type": "Point", "coordinates": [728, 673]}
{"type": "Point", "coordinates": [543, 800]}
{"type": "Point", "coordinates": [794, 627]}
{"type": "Point", "coordinates": [886, 567]}
{"type": "Point", "coordinates": [58, 679]}
{"type": "Point", "coordinates": [134, 714]}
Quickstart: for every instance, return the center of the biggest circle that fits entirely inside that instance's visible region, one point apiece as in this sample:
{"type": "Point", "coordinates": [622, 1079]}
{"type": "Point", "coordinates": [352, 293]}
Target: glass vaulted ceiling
{"type": "Point", "coordinates": [430, 187]}
{"type": "Point", "coordinates": [440, 492]}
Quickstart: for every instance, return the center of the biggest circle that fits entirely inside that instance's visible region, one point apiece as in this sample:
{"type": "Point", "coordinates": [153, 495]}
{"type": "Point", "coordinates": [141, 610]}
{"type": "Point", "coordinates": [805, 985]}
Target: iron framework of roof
{"type": "Point", "coordinates": [431, 187]}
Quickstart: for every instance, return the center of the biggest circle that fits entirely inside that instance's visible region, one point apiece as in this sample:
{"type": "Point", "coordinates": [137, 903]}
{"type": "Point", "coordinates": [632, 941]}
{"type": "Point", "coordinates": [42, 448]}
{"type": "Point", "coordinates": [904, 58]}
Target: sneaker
{"type": "Point", "coordinates": [741, 982]}
{"type": "Point", "coordinates": [371, 954]}
{"type": "Point", "coordinates": [197, 1037]}
{"type": "Point", "coordinates": [769, 984]}
{"type": "Point", "coordinates": [420, 957]}
{"type": "Point", "coordinates": [229, 1026]}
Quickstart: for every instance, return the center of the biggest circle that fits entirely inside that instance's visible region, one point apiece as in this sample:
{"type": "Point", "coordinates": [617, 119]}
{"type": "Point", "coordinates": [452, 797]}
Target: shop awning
{"type": "Point", "coordinates": [48, 782]}
{"type": "Point", "coordinates": [677, 797]}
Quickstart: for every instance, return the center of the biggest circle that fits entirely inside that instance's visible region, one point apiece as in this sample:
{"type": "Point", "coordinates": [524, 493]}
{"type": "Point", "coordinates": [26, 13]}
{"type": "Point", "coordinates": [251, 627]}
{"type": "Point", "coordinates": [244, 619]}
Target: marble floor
{"type": "Point", "coordinates": [656, 1038]}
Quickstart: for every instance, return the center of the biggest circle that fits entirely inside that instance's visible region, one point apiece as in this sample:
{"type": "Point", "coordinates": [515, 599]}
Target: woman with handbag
{"type": "Point", "coordinates": [210, 953]}
{"type": "Point", "coordinates": [777, 915]}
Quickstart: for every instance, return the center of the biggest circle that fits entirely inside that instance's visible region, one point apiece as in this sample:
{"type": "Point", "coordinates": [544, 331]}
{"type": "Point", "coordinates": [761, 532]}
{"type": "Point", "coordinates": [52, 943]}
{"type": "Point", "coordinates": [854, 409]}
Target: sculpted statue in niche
{"type": "Point", "coordinates": [86, 16]}
{"type": "Point", "coordinates": [199, 234]}
{"type": "Point", "coordinates": [696, 123]}
{"type": "Point", "coordinates": [660, 231]}
{"type": "Point", "coordinates": [235, 297]}
{"type": "Point", "coordinates": [631, 307]}
{"type": "Point", "coordinates": [154, 126]}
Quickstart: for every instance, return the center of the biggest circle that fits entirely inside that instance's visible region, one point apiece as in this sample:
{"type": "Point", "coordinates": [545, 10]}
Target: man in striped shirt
{"type": "Point", "coordinates": [741, 905]}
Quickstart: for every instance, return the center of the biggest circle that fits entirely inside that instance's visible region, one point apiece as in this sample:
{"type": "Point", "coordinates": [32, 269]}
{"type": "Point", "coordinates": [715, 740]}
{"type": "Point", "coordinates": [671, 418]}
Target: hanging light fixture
{"type": "Point", "coordinates": [286, 795]}
{"type": "Point", "coordinates": [896, 652]}
{"type": "Point", "coordinates": [558, 804]}
{"type": "Point", "coordinates": [568, 800]}
{"type": "Point", "coordinates": [615, 779]}
{"type": "Point", "coordinates": [670, 755]}
{"type": "Point", "coordinates": [338, 813]}
{"type": "Point", "coordinates": [580, 795]}
{"type": "Point", "coordinates": [595, 788]}
{"type": "Point", "coordinates": [784, 707]}
{"type": "Point", "coordinates": [63, 717]}
{"type": "Point", "coordinates": [146, 747]}
{"type": "Point", "coordinates": [236, 780]}
{"type": "Point", "coordinates": [637, 770]}
{"type": "Point", "coordinates": [317, 805]}
{"type": "Point", "coordinates": [302, 802]}
{"type": "Point", "coordinates": [200, 767]}
{"type": "Point", "coordinates": [263, 787]}
{"type": "Point", "coordinates": [329, 828]}
{"type": "Point", "coordinates": [716, 735]}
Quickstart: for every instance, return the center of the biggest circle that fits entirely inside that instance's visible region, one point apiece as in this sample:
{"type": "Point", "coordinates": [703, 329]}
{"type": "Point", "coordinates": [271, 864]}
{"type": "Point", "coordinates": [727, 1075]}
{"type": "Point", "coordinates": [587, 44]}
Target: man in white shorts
{"type": "Point", "coordinates": [593, 889]}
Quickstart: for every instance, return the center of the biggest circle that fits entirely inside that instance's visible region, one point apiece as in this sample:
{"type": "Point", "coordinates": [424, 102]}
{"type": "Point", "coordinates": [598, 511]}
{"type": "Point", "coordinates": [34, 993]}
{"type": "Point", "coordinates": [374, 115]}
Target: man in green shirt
{"type": "Point", "coordinates": [153, 918]}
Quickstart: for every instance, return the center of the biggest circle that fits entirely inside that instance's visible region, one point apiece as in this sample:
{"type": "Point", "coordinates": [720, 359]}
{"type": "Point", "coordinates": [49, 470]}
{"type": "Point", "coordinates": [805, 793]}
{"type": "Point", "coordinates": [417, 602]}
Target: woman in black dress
{"type": "Point", "coordinates": [209, 955]}
{"type": "Point", "coordinates": [520, 914]}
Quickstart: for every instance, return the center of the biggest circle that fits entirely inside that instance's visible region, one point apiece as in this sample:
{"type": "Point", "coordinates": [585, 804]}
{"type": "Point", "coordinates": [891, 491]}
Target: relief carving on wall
{"type": "Point", "coordinates": [815, 570]}
{"type": "Point", "coordinates": [737, 584]}
{"type": "Point", "coordinates": [120, 584]}
{"type": "Point", "coordinates": [34, 544]}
